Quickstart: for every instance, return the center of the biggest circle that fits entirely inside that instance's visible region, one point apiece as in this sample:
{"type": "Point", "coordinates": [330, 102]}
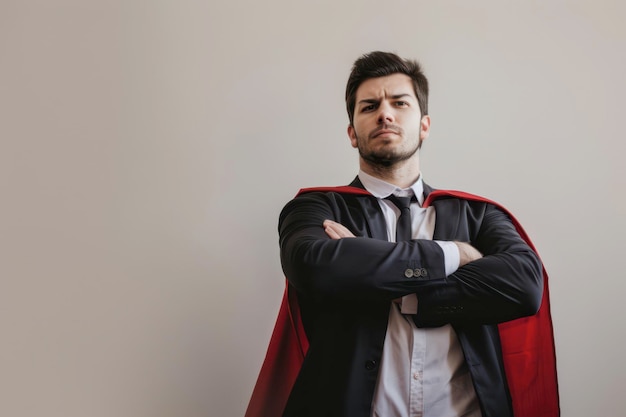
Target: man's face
{"type": "Point", "coordinates": [388, 126]}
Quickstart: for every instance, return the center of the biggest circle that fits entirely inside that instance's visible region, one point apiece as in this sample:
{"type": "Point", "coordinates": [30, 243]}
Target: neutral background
{"type": "Point", "coordinates": [147, 148]}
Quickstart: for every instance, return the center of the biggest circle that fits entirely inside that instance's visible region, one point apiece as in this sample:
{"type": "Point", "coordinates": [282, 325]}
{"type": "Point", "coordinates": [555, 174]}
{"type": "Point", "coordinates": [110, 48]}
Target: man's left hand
{"type": "Point", "coordinates": [336, 230]}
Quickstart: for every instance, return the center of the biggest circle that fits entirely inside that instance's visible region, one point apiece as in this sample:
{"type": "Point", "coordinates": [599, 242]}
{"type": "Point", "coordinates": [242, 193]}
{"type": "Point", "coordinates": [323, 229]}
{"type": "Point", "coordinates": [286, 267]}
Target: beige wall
{"type": "Point", "coordinates": [146, 149]}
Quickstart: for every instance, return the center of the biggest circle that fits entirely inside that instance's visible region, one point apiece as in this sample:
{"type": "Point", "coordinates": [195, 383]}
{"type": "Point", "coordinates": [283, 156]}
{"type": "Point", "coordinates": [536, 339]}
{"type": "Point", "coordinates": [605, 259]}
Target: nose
{"type": "Point", "coordinates": [385, 114]}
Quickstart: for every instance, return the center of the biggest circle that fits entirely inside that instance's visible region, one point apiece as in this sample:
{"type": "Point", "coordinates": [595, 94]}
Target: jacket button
{"type": "Point", "coordinates": [408, 273]}
{"type": "Point", "coordinates": [370, 365]}
{"type": "Point", "coordinates": [424, 272]}
{"type": "Point", "coordinates": [417, 273]}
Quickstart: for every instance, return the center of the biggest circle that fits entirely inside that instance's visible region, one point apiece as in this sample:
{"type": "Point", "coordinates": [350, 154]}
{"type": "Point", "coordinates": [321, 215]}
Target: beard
{"type": "Point", "coordinates": [386, 156]}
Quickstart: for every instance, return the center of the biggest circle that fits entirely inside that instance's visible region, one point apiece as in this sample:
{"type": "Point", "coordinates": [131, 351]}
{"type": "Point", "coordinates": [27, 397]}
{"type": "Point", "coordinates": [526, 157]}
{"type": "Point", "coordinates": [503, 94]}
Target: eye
{"type": "Point", "coordinates": [369, 107]}
{"type": "Point", "coordinates": [401, 103]}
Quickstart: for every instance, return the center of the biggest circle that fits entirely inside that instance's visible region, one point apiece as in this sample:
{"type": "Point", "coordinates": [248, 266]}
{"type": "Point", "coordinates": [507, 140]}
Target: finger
{"type": "Point", "coordinates": [331, 232]}
{"type": "Point", "coordinates": [339, 231]}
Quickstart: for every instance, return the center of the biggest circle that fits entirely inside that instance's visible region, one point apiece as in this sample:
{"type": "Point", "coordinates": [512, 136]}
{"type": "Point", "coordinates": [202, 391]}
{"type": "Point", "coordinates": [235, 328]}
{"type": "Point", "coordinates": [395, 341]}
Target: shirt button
{"type": "Point", "coordinates": [416, 376]}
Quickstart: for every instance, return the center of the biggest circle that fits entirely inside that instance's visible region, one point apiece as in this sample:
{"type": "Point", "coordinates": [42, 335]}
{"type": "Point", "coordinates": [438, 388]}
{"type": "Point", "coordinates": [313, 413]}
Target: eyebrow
{"type": "Point", "coordinates": [375, 100]}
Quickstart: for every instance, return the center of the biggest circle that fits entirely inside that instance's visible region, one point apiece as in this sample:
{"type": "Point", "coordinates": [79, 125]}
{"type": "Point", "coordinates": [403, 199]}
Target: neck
{"type": "Point", "coordinates": [402, 174]}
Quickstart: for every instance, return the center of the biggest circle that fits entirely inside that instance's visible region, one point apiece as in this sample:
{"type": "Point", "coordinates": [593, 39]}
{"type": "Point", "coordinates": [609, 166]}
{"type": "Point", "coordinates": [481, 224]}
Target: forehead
{"type": "Point", "coordinates": [389, 85]}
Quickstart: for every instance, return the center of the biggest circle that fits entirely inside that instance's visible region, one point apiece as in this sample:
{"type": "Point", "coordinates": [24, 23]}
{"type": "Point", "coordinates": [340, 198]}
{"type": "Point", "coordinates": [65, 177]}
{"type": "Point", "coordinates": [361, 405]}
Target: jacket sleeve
{"type": "Point", "coordinates": [358, 268]}
{"type": "Point", "coordinates": [506, 284]}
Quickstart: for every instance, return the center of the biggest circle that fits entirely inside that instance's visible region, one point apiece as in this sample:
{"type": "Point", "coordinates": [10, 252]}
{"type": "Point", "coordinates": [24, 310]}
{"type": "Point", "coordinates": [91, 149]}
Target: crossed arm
{"type": "Point", "coordinates": [335, 230]}
{"type": "Point", "coordinates": [467, 252]}
{"type": "Point", "coordinates": [324, 260]}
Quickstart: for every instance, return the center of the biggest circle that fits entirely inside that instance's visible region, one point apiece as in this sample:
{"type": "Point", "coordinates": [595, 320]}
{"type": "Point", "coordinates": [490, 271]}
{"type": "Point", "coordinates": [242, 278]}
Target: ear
{"type": "Point", "coordinates": [352, 136]}
{"type": "Point", "coordinates": [424, 127]}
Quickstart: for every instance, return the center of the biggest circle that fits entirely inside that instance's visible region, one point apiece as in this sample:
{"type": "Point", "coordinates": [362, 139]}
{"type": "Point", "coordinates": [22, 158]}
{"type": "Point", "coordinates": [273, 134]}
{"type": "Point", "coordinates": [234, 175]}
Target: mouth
{"type": "Point", "coordinates": [384, 133]}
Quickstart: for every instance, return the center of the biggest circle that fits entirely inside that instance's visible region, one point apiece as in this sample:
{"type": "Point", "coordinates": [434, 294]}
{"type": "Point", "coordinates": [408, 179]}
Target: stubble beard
{"type": "Point", "coordinates": [385, 159]}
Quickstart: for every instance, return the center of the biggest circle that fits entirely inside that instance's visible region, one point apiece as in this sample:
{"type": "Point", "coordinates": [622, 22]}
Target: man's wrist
{"type": "Point", "coordinates": [451, 255]}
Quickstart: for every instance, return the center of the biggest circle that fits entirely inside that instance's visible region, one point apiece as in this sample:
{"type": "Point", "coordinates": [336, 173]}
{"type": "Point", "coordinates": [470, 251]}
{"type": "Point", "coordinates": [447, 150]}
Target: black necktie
{"type": "Point", "coordinates": [403, 227]}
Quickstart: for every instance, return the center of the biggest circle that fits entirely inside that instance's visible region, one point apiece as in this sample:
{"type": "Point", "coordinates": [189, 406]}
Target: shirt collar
{"type": "Point", "coordinates": [381, 189]}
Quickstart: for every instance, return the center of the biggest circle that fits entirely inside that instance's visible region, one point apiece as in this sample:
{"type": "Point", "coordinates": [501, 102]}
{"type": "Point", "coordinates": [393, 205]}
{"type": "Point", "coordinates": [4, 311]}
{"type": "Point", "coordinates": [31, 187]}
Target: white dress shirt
{"type": "Point", "coordinates": [423, 372]}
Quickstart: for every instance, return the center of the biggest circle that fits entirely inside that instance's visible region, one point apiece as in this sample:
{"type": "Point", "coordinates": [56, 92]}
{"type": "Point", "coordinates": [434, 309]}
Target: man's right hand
{"type": "Point", "coordinates": [467, 253]}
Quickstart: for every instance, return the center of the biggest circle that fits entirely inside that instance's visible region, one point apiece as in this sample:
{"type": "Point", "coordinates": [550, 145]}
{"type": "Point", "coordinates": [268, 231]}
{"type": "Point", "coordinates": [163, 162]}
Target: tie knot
{"type": "Point", "coordinates": [401, 202]}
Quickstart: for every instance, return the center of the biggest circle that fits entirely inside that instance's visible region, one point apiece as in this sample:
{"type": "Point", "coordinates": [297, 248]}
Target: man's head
{"type": "Point", "coordinates": [379, 64]}
{"type": "Point", "coordinates": [386, 99]}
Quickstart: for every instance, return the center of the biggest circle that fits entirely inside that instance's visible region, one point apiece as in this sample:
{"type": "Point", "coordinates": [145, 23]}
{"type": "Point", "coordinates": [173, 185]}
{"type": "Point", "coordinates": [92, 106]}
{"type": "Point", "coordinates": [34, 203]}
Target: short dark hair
{"type": "Point", "coordinates": [380, 64]}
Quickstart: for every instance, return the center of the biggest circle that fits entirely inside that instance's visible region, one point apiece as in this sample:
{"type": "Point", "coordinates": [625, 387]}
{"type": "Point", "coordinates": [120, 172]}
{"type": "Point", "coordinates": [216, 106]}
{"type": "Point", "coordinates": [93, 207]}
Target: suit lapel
{"type": "Point", "coordinates": [447, 216]}
{"type": "Point", "coordinates": [373, 215]}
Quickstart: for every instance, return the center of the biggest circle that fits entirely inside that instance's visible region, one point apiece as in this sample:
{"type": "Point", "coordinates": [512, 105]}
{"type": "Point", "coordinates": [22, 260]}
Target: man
{"type": "Point", "coordinates": [401, 305]}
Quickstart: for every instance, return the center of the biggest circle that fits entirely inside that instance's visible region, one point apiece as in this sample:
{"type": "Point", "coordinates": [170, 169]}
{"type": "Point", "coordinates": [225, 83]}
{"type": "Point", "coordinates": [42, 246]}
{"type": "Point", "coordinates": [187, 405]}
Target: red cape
{"type": "Point", "coordinates": [527, 345]}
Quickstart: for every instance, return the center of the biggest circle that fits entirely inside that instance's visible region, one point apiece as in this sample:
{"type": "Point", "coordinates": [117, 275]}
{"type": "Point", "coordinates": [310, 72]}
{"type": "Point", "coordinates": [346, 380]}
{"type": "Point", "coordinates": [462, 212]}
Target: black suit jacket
{"type": "Point", "coordinates": [344, 288]}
